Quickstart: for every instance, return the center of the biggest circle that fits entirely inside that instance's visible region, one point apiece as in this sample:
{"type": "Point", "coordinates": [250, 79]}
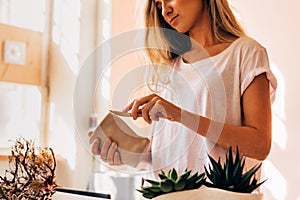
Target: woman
{"type": "Point", "coordinates": [198, 120]}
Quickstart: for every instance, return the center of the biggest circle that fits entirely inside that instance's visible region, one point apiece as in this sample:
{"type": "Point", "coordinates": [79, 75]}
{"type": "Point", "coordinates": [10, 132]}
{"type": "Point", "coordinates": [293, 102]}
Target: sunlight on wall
{"type": "Point", "coordinates": [279, 130]}
{"type": "Point", "coordinates": [51, 116]}
{"type": "Point", "coordinates": [276, 183]}
{"type": "Point", "coordinates": [66, 145]}
{"type": "Point", "coordinates": [66, 35]}
{"type": "Point", "coordinates": [66, 30]}
{"type": "Point", "coordinates": [62, 140]}
{"type": "Point", "coordinates": [105, 86]}
{"type": "Point", "coordinates": [103, 83]}
{"type": "Point", "coordinates": [106, 29]}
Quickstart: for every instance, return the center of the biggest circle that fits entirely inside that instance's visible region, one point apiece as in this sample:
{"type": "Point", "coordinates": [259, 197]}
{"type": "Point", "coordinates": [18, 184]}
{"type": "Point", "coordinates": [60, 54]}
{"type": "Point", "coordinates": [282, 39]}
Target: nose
{"type": "Point", "coordinates": [166, 9]}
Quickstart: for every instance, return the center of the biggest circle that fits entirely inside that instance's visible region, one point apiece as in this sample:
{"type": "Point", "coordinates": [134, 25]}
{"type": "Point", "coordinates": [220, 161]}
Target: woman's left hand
{"type": "Point", "coordinates": [153, 107]}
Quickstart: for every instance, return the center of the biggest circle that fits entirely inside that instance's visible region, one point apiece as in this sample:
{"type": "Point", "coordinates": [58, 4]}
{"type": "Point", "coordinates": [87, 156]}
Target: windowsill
{"type": "Point", "coordinates": [4, 152]}
{"type": "Point", "coordinates": [2, 157]}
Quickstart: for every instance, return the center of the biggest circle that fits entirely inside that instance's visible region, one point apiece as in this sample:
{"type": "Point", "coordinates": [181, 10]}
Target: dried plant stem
{"type": "Point", "coordinates": [31, 173]}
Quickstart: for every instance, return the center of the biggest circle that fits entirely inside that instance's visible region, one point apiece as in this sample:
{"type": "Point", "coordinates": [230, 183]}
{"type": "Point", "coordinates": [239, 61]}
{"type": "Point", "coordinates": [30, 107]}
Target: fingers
{"type": "Point", "coordinates": [95, 147]}
{"type": "Point", "coordinates": [110, 153]}
{"type": "Point", "coordinates": [104, 149]}
{"type": "Point", "coordinates": [90, 133]}
{"type": "Point", "coordinates": [128, 108]}
{"type": "Point", "coordinates": [147, 108]}
{"type": "Point", "coordinates": [151, 106]}
{"type": "Point", "coordinates": [154, 109]}
{"type": "Point", "coordinates": [95, 144]}
{"type": "Point", "coordinates": [137, 104]}
{"type": "Point", "coordinates": [113, 156]}
{"type": "Point", "coordinates": [117, 158]}
{"type": "Point", "coordinates": [157, 111]}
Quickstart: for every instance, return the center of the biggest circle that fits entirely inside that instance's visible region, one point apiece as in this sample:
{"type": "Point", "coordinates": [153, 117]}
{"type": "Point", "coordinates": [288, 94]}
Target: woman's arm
{"type": "Point", "coordinates": [254, 136]}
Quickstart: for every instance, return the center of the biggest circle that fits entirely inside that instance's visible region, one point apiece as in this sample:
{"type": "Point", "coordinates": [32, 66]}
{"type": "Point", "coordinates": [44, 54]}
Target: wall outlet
{"type": "Point", "coordinates": [14, 52]}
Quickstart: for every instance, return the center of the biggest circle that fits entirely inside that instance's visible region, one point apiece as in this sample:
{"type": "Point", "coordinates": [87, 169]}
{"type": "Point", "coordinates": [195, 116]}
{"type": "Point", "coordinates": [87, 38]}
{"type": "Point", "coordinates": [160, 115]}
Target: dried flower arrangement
{"type": "Point", "coordinates": [31, 174]}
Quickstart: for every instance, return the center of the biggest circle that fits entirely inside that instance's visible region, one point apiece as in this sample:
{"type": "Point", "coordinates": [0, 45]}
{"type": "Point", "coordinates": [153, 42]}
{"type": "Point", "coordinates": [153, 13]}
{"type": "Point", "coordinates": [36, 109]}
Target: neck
{"type": "Point", "coordinates": [201, 33]}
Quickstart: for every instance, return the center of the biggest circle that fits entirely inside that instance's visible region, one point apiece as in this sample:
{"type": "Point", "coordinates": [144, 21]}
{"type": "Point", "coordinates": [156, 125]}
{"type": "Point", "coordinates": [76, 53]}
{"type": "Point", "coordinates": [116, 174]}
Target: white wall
{"type": "Point", "coordinates": [275, 24]}
{"type": "Point", "coordinates": [65, 134]}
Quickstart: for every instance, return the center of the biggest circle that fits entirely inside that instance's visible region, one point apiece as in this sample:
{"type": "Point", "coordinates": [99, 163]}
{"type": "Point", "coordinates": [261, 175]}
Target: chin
{"type": "Point", "coordinates": [181, 29]}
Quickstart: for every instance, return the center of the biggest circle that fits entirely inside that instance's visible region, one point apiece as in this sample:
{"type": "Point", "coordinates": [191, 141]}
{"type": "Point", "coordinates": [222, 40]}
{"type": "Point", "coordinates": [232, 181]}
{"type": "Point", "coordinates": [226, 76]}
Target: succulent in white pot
{"type": "Point", "coordinates": [228, 181]}
{"type": "Point", "coordinates": [171, 182]}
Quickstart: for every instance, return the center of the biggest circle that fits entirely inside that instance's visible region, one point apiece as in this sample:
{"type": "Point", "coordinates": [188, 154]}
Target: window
{"type": "Point", "coordinates": [66, 30]}
{"type": "Point", "coordinates": [20, 13]}
{"type": "Point", "coordinates": [20, 104]}
{"type": "Point", "coordinates": [20, 107]}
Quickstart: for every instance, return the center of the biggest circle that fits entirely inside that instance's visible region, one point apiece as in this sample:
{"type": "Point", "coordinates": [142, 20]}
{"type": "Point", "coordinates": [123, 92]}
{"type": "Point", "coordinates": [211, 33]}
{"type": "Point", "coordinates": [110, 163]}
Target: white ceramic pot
{"type": "Point", "coordinates": [207, 193]}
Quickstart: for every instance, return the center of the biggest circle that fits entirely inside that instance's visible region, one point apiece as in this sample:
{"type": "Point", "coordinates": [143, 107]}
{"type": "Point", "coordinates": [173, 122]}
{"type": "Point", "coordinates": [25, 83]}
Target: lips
{"type": "Point", "coordinates": [173, 19]}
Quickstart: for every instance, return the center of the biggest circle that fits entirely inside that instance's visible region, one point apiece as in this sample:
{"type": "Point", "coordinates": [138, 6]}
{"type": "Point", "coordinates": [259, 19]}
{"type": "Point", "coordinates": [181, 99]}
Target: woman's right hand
{"type": "Point", "coordinates": [108, 150]}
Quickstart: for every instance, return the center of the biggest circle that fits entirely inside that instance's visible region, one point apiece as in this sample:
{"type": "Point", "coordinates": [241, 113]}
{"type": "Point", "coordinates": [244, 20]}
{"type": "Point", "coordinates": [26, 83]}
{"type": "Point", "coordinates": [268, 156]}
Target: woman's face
{"type": "Point", "coordinates": [182, 15]}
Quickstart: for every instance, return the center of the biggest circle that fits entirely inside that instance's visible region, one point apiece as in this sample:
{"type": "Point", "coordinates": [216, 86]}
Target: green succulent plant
{"type": "Point", "coordinates": [171, 182]}
{"type": "Point", "coordinates": [231, 175]}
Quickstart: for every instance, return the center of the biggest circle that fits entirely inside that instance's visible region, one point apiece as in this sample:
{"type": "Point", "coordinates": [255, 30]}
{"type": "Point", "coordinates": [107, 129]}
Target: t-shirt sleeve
{"type": "Point", "coordinates": [256, 62]}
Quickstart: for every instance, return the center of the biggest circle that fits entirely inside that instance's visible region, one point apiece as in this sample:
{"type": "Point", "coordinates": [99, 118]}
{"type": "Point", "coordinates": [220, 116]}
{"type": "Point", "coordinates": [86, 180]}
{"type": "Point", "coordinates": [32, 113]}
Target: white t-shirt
{"type": "Point", "coordinates": [211, 87]}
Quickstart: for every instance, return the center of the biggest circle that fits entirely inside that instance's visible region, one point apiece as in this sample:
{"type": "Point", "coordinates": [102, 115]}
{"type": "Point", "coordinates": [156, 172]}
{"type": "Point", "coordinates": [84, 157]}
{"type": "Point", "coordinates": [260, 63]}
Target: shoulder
{"type": "Point", "coordinates": [247, 43]}
{"type": "Point", "coordinates": [248, 48]}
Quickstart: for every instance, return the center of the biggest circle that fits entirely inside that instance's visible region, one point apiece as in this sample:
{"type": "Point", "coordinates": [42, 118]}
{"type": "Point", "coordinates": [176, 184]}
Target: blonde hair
{"type": "Point", "coordinates": [223, 21]}
{"type": "Point", "coordinates": [166, 47]}
{"type": "Point", "coordinates": [163, 43]}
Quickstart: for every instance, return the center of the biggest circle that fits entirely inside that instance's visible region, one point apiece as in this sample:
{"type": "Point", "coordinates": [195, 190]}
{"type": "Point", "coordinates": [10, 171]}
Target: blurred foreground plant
{"type": "Point", "coordinates": [31, 172]}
